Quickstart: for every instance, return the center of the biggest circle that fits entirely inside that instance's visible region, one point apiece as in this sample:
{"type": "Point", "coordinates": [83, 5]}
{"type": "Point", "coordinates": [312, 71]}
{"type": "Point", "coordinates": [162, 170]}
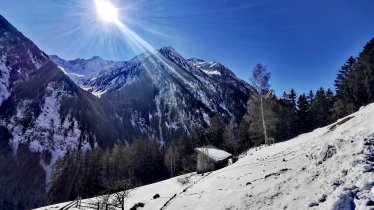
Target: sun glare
{"type": "Point", "coordinates": [106, 10]}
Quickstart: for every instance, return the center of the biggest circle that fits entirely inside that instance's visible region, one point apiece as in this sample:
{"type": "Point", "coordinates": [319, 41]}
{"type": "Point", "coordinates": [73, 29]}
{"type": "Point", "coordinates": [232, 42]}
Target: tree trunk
{"type": "Point", "coordinates": [263, 122]}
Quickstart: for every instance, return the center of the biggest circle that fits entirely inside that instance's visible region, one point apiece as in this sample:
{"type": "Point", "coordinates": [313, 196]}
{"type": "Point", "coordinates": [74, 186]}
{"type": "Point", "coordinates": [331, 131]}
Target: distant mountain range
{"type": "Point", "coordinates": [160, 94]}
{"type": "Point", "coordinates": [54, 105]}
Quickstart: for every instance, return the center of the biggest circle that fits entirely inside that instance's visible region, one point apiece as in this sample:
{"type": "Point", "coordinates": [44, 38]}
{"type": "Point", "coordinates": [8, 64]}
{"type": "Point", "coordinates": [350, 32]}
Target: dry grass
{"type": "Point", "coordinates": [340, 122]}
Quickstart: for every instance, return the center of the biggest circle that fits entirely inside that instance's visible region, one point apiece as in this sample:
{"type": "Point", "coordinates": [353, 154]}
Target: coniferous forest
{"type": "Point", "coordinates": [214, 104]}
{"type": "Point", "coordinates": [143, 161]}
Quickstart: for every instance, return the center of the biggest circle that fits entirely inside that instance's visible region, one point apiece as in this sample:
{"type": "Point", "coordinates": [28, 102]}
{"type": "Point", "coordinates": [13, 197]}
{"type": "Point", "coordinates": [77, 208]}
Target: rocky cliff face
{"type": "Point", "coordinates": [49, 106]}
{"type": "Point", "coordinates": [163, 95]}
{"type": "Point", "coordinates": [40, 107]}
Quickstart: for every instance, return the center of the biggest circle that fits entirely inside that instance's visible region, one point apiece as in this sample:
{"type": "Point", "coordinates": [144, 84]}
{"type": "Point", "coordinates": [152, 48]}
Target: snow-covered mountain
{"type": "Point", "coordinates": [157, 94]}
{"type": "Point", "coordinates": [40, 107]}
{"type": "Point", "coordinates": [211, 67]}
{"type": "Point", "coordinates": [80, 69]}
{"type": "Point", "coordinates": [329, 168]}
{"type": "Point", "coordinates": [163, 95]}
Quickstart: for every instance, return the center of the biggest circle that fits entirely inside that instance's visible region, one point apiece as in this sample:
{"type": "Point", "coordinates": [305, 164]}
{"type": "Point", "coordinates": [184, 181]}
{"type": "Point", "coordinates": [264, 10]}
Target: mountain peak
{"type": "Point", "coordinates": [96, 58]}
{"type": "Point", "coordinates": [170, 52]}
{"type": "Point", "coordinates": [167, 49]}
{"type": "Point", "coordinates": [195, 60]}
{"type": "Point", "coordinates": [212, 67]}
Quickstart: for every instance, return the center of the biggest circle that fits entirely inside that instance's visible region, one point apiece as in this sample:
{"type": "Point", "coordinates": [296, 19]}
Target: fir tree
{"type": "Point", "coordinates": [230, 142]}
{"type": "Point", "coordinates": [215, 132]}
{"type": "Point", "coordinates": [303, 115]}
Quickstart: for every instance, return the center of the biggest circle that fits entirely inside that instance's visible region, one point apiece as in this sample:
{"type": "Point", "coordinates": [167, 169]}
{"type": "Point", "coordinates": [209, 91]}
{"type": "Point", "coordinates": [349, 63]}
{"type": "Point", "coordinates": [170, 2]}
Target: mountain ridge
{"type": "Point", "coordinates": [170, 79]}
{"type": "Point", "coordinates": [41, 108]}
{"type": "Point", "coordinates": [157, 95]}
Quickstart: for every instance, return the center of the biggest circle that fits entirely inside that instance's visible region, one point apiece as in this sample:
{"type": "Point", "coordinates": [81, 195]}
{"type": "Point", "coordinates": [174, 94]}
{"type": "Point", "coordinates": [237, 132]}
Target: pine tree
{"type": "Point", "coordinates": [230, 142]}
{"type": "Point", "coordinates": [366, 68]}
{"type": "Point", "coordinates": [312, 109]}
{"type": "Point", "coordinates": [288, 115]}
{"type": "Point", "coordinates": [154, 162]}
{"type": "Point", "coordinates": [292, 99]}
{"type": "Point", "coordinates": [321, 109]}
{"type": "Point", "coordinates": [215, 131]}
{"type": "Point", "coordinates": [310, 97]}
{"type": "Point", "coordinates": [186, 149]}
{"type": "Point", "coordinates": [330, 105]}
{"type": "Point", "coordinates": [303, 115]}
{"type": "Point", "coordinates": [242, 135]}
{"type": "Point", "coordinates": [343, 75]}
{"type": "Point", "coordinates": [344, 85]}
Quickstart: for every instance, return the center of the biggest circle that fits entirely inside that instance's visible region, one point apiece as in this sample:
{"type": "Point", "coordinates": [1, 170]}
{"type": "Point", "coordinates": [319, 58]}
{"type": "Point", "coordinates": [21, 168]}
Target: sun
{"type": "Point", "coordinates": [106, 10]}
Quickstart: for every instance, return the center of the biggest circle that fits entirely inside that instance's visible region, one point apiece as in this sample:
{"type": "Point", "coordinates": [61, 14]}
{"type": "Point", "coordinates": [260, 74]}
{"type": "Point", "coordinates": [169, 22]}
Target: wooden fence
{"type": "Point", "coordinates": [89, 205]}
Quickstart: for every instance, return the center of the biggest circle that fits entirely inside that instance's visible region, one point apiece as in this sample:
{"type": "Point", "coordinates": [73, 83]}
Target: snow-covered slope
{"type": "Point", "coordinates": [19, 58]}
{"type": "Point", "coordinates": [211, 67]}
{"type": "Point", "coordinates": [80, 69]}
{"type": "Point", "coordinates": [41, 108]}
{"type": "Point", "coordinates": [160, 94]}
{"type": "Point", "coordinates": [329, 168]}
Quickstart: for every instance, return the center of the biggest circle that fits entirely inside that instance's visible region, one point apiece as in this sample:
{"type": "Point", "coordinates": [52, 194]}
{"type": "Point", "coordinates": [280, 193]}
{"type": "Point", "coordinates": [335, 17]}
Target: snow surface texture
{"type": "Point", "coordinates": [325, 169]}
{"type": "Point", "coordinates": [214, 153]}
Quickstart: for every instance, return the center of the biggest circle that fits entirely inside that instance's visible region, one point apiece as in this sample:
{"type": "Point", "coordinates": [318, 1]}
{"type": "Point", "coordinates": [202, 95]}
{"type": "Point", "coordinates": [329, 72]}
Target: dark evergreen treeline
{"type": "Point", "coordinates": [292, 114]}
{"type": "Point", "coordinates": [23, 185]}
{"type": "Point", "coordinates": [88, 174]}
{"type": "Point", "coordinates": [287, 116]}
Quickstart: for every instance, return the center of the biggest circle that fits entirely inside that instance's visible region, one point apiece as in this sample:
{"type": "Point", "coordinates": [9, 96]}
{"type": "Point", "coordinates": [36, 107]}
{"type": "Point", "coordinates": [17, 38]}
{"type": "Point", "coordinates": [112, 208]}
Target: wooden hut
{"type": "Point", "coordinates": [211, 158]}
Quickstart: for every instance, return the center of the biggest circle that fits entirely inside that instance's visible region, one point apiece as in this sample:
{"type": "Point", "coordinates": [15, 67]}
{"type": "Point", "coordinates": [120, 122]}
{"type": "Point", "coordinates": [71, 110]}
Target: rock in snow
{"type": "Point", "coordinates": [314, 162]}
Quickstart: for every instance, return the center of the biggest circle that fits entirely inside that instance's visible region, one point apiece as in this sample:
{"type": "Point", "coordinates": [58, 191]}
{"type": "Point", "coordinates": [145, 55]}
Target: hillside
{"type": "Point", "coordinates": [47, 108]}
{"type": "Point", "coordinates": [329, 168]}
{"type": "Point", "coordinates": [161, 94]}
{"type": "Point", "coordinates": [43, 116]}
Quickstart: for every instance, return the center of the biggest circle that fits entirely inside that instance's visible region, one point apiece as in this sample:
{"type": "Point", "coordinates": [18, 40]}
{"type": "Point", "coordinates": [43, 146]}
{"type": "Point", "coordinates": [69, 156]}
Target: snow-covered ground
{"type": "Point", "coordinates": [329, 168]}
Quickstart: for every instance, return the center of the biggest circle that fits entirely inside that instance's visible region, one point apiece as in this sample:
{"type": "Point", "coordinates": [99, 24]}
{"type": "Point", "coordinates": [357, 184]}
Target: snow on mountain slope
{"type": "Point", "coordinates": [211, 67]}
{"type": "Point", "coordinates": [41, 109]}
{"type": "Point", "coordinates": [329, 168]}
{"type": "Point", "coordinates": [81, 69]}
{"type": "Point", "coordinates": [49, 131]}
{"type": "Point", "coordinates": [19, 58]}
{"type": "Point", "coordinates": [4, 82]}
{"type": "Point", "coordinates": [160, 94]}
{"type": "Point", "coordinates": [217, 71]}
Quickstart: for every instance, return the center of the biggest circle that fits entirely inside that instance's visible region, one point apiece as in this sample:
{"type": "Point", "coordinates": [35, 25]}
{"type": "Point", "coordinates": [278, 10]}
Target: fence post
{"type": "Point", "coordinates": [98, 205]}
{"type": "Point", "coordinates": [78, 203]}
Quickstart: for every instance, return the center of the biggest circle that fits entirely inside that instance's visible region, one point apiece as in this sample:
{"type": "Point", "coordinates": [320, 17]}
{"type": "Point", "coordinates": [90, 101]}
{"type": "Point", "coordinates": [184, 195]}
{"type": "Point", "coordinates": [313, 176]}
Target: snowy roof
{"type": "Point", "coordinates": [213, 152]}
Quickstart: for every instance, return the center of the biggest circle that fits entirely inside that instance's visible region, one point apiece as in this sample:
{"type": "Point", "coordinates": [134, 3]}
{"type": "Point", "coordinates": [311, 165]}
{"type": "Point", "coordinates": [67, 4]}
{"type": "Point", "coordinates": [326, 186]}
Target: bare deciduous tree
{"type": "Point", "coordinates": [117, 191]}
{"type": "Point", "coordinates": [260, 81]}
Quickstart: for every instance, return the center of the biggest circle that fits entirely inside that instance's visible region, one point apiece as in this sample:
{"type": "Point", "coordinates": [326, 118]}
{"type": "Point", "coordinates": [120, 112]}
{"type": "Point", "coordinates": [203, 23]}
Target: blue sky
{"type": "Point", "coordinates": [302, 43]}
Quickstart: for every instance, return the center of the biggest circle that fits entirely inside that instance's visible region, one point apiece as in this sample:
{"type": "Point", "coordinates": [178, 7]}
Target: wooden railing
{"type": "Point", "coordinates": [76, 203]}
{"type": "Point", "coordinates": [88, 205]}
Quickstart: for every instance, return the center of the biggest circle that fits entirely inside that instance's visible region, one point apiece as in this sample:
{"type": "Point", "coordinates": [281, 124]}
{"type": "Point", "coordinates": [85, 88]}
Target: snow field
{"type": "Point", "coordinates": [325, 169]}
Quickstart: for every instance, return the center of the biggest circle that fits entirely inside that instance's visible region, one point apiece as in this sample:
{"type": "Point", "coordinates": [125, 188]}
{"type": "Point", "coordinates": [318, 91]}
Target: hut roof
{"type": "Point", "coordinates": [213, 152]}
